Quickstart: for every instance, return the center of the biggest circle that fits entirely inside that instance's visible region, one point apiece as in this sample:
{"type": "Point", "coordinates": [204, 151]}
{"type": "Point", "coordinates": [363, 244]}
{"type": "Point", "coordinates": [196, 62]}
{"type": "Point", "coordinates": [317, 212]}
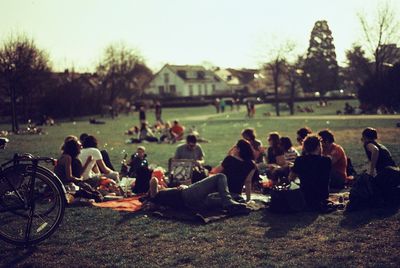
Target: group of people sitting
{"type": "Point", "coordinates": [161, 132]}
{"type": "Point", "coordinates": [167, 133]}
{"type": "Point", "coordinates": [319, 164]}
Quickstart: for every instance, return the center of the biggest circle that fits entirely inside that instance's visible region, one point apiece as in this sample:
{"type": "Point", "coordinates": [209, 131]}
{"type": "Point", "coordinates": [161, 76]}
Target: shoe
{"type": "Point", "coordinates": [237, 209]}
{"type": "Point", "coordinates": [327, 207]}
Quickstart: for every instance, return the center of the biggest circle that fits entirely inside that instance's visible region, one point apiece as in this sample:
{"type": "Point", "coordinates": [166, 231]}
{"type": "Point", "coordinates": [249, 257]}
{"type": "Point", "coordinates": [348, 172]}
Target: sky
{"type": "Point", "coordinates": [224, 33]}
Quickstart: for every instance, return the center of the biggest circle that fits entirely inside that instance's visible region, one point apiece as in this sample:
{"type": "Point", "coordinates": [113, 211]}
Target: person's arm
{"type": "Point", "coordinates": [102, 166]}
{"type": "Point", "coordinates": [248, 184]}
{"type": "Point", "coordinates": [217, 169]}
{"type": "Point", "coordinates": [201, 159]}
{"type": "Point", "coordinates": [374, 158]}
{"type": "Point", "coordinates": [292, 176]}
{"type": "Point", "coordinates": [280, 160]}
{"type": "Point", "coordinates": [85, 166]}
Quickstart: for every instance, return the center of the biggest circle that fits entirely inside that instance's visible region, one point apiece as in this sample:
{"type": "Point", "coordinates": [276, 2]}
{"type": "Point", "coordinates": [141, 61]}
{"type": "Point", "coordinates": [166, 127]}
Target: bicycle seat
{"type": "Point", "coordinates": [3, 142]}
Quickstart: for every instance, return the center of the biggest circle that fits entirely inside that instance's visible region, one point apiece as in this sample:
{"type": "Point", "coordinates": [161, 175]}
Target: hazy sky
{"type": "Point", "coordinates": [226, 33]}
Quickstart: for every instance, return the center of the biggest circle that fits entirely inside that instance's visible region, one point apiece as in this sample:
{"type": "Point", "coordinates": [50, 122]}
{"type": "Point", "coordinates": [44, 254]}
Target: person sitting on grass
{"type": "Point", "coordinates": [249, 134]}
{"type": "Point", "coordinates": [69, 169]}
{"type": "Point", "coordinates": [302, 133]}
{"type": "Point", "coordinates": [239, 168]}
{"type": "Point", "coordinates": [192, 150]}
{"type": "Point", "coordinates": [378, 155]}
{"type": "Point", "coordinates": [177, 131]}
{"type": "Point", "coordinates": [104, 153]}
{"type": "Point", "coordinates": [275, 157]}
{"type": "Point", "coordinates": [165, 133]}
{"type": "Point", "coordinates": [96, 168]}
{"type": "Point", "coordinates": [146, 134]}
{"type": "Point", "coordinates": [210, 193]}
{"type": "Point", "coordinates": [313, 170]}
{"type": "Point", "coordinates": [338, 175]}
{"type": "Point", "coordinates": [290, 154]}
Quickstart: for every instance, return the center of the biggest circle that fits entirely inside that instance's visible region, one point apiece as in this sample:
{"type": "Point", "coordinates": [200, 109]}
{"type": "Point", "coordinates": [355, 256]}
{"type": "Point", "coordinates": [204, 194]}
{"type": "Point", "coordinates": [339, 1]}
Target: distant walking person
{"type": "Point", "coordinates": [142, 114]}
{"type": "Point", "coordinates": [158, 111]}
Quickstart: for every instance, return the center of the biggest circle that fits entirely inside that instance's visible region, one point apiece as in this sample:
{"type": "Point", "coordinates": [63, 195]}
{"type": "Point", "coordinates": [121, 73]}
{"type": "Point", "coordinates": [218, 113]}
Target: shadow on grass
{"type": "Point", "coordinates": [16, 255]}
{"type": "Point", "coordinates": [281, 224]}
{"type": "Point", "coordinates": [360, 218]}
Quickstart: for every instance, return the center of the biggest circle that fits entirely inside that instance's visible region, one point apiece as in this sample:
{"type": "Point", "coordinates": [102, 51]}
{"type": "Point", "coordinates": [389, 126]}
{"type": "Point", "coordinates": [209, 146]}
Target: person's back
{"type": "Point", "coordinates": [59, 169]}
{"type": "Point", "coordinates": [384, 158]}
{"type": "Point", "coordinates": [313, 172]}
{"type": "Point", "coordinates": [236, 171]}
{"type": "Point", "coordinates": [96, 155]}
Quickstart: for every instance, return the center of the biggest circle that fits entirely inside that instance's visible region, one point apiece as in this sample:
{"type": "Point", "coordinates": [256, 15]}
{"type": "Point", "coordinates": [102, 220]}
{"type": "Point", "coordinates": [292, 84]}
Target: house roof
{"type": "Point", "coordinates": [245, 76]}
{"type": "Point", "coordinates": [182, 70]}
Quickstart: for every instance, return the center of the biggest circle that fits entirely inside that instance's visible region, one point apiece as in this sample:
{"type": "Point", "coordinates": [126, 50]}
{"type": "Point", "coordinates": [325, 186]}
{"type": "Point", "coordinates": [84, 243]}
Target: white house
{"type": "Point", "coordinates": [185, 80]}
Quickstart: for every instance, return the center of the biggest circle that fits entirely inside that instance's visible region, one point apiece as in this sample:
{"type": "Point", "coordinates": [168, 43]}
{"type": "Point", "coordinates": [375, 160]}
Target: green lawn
{"type": "Point", "coordinates": [92, 237]}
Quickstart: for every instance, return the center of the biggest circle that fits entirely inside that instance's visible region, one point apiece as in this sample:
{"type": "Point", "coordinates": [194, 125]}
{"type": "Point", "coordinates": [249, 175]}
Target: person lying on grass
{"type": "Point", "coordinates": [210, 193]}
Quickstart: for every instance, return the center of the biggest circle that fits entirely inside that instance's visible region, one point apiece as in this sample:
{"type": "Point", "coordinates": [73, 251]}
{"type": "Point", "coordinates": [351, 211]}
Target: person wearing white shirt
{"type": "Point", "coordinates": [96, 168]}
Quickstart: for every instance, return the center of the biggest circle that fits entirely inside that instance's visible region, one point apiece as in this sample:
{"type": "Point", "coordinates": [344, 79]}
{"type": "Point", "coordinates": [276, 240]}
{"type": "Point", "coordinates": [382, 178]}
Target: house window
{"type": "Point", "coordinates": [182, 74]}
{"type": "Point", "coordinates": [200, 75]}
{"type": "Point", "coordinates": [229, 78]}
{"type": "Point", "coordinates": [205, 89]}
{"type": "Point", "coordinates": [172, 89]}
{"type": "Point", "coordinates": [161, 89]}
{"type": "Point", "coordinates": [166, 78]}
{"type": "Point", "coordinates": [213, 88]}
{"type": "Point", "coordinates": [199, 89]}
{"type": "Point", "coordinates": [190, 90]}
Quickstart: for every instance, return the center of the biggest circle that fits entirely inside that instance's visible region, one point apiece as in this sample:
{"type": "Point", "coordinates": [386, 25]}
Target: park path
{"type": "Point", "coordinates": [298, 117]}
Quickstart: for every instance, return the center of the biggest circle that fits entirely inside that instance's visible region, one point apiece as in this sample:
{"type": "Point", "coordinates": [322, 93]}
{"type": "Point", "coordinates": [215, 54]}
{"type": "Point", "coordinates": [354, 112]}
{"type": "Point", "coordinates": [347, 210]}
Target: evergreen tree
{"type": "Point", "coordinates": [320, 68]}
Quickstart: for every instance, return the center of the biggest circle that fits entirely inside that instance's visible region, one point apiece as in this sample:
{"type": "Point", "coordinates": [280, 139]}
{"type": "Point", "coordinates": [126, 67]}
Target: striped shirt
{"type": "Point", "coordinates": [291, 155]}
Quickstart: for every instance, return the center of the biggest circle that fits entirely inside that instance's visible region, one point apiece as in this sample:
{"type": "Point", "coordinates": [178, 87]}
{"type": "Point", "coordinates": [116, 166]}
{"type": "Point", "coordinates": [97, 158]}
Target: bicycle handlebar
{"type": "Point", "coordinates": [30, 157]}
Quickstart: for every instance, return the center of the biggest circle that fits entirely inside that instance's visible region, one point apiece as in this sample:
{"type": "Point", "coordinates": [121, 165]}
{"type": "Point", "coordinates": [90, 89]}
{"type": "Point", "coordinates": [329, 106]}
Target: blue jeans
{"type": "Point", "coordinates": [209, 193]}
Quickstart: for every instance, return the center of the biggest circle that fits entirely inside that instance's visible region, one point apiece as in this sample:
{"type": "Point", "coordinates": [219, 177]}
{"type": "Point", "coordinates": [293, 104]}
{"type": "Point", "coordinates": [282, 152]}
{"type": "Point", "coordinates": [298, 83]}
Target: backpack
{"type": "Point", "coordinates": [286, 198]}
{"type": "Point", "coordinates": [362, 193]}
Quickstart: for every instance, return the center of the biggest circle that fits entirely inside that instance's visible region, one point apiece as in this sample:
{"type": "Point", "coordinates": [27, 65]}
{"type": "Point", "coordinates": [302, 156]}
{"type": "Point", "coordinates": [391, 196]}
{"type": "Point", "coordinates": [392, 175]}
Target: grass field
{"type": "Point", "coordinates": [92, 237]}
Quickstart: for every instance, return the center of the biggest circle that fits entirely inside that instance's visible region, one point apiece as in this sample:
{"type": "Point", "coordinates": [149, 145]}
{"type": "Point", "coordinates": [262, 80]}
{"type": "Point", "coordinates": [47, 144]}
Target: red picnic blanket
{"type": "Point", "coordinates": [130, 204]}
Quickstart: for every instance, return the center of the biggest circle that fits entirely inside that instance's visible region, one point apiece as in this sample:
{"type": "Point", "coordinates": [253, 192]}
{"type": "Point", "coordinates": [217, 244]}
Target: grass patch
{"type": "Point", "coordinates": [93, 237]}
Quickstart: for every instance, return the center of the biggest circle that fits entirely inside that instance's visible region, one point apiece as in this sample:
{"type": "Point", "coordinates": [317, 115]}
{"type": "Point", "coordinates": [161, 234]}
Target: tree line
{"type": "Point", "coordinates": [31, 89]}
{"type": "Point", "coordinates": [375, 79]}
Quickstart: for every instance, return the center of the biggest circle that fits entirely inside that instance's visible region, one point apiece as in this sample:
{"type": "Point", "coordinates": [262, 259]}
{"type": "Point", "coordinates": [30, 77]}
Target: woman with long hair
{"type": "Point", "coordinates": [239, 168]}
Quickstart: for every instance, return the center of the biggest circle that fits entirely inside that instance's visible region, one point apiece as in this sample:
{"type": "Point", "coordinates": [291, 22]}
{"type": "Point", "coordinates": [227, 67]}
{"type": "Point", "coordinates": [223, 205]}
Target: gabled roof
{"type": "Point", "coordinates": [182, 70]}
{"type": "Point", "coordinates": [245, 76]}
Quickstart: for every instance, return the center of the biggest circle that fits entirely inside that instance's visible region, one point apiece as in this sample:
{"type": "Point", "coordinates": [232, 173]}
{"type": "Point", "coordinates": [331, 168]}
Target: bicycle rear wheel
{"type": "Point", "coordinates": [32, 204]}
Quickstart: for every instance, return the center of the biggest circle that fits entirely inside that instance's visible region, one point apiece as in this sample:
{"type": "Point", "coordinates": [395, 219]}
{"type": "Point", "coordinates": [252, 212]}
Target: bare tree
{"type": "Point", "coordinates": [122, 72]}
{"type": "Point", "coordinates": [380, 34]}
{"type": "Point", "coordinates": [277, 67]}
{"type": "Point", "coordinates": [23, 67]}
{"type": "Point", "coordinates": [294, 72]}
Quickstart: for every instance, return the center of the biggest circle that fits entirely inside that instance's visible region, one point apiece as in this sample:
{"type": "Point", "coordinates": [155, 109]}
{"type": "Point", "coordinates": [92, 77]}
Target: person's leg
{"type": "Point", "coordinates": [153, 189]}
{"type": "Point", "coordinates": [195, 195]}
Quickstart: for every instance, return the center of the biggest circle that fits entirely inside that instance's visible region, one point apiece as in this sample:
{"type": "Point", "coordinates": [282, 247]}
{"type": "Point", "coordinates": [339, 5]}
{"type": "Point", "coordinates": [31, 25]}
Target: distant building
{"type": "Point", "coordinates": [389, 54]}
{"type": "Point", "coordinates": [184, 81]}
{"type": "Point", "coordinates": [241, 81]}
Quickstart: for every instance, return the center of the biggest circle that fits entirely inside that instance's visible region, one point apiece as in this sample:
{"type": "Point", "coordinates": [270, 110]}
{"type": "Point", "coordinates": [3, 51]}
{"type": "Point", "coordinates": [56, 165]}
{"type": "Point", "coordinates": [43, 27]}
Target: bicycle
{"type": "Point", "coordinates": [32, 199]}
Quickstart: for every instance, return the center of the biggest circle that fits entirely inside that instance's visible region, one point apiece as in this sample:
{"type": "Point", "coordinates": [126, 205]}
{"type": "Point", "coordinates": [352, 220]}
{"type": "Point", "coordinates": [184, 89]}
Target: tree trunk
{"type": "Point", "coordinates": [292, 91]}
{"type": "Point", "coordinates": [277, 102]}
{"type": "Point", "coordinates": [14, 119]}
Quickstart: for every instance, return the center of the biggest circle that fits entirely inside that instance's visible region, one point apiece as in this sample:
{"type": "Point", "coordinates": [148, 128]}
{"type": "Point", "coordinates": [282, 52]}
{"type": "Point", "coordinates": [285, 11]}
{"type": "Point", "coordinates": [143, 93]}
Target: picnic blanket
{"type": "Point", "coordinates": [260, 202]}
{"type": "Point", "coordinates": [130, 204]}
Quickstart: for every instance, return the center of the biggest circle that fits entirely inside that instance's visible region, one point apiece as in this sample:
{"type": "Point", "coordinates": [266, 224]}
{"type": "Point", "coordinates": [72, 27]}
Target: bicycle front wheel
{"type": "Point", "coordinates": [32, 204]}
